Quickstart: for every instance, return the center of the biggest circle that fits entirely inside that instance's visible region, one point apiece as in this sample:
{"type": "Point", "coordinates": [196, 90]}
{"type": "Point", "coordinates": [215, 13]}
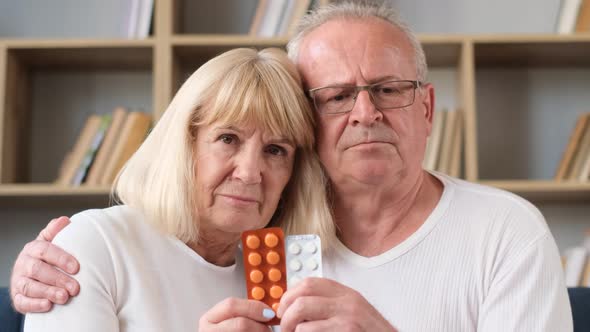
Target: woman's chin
{"type": "Point", "coordinates": [238, 223]}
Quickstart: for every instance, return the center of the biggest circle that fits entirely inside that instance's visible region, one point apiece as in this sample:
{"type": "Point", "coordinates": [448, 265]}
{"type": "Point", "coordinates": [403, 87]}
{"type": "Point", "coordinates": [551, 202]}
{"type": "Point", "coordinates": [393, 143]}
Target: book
{"type": "Point", "coordinates": [447, 142]}
{"type": "Point", "coordinates": [582, 153]}
{"type": "Point", "coordinates": [576, 258]}
{"type": "Point", "coordinates": [106, 148]}
{"type": "Point", "coordinates": [258, 17]}
{"type": "Point", "coordinates": [565, 165]}
{"type": "Point", "coordinates": [567, 16]}
{"type": "Point", "coordinates": [434, 141]}
{"type": "Point", "coordinates": [133, 133]}
{"type": "Point", "coordinates": [74, 160]}
{"type": "Point", "coordinates": [457, 147]}
{"type": "Point", "coordinates": [584, 174]}
{"type": "Point", "coordinates": [285, 18]}
{"type": "Point", "coordinates": [144, 19]}
{"type": "Point", "coordinates": [132, 18]}
{"type": "Point", "coordinates": [82, 171]}
{"type": "Point", "coordinates": [272, 18]}
{"type": "Point", "coordinates": [583, 22]}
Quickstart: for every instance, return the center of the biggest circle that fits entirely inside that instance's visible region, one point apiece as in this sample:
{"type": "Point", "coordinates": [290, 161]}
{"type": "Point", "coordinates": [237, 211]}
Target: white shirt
{"type": "Point", "coordinates": [484, 260]}
{"type": "Point", "coordinates": [133, 278]}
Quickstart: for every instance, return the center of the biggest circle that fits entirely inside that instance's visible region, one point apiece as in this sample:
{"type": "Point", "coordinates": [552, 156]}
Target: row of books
{"type": "Point", "coordinates": [444, 146]}
{"type": "Point", "coordinates": [139, 18]}
{"type": "Point", "coordinates": [573, 16]}
{"type": "Point", "coordinates": [103, 146]}
{"type": "Point", "coordinates": [575, 162]}
{"type": "Point", "coordinates": [576, 264]}
{"type": "Point", "coordinates": [279, 17]}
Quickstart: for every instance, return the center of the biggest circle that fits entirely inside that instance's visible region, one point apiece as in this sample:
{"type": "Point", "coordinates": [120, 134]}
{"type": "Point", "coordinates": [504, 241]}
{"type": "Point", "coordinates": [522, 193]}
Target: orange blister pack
{"type": "Point", "coordinates": [264, 266]}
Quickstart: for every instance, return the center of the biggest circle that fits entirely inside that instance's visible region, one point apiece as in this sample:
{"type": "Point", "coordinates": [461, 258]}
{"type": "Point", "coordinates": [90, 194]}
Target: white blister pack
{"type": "Point", "coordinates": [304, 257]}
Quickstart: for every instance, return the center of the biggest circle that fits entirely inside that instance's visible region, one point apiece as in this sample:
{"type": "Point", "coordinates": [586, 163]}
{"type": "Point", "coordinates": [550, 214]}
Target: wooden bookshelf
{"type": "Point", "coordinates": [170, 54]}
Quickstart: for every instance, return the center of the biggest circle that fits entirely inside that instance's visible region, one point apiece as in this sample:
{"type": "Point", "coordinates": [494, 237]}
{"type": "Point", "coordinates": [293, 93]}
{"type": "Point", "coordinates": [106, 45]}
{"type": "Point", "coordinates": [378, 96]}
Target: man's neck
{"type": "Point", "coordinates": [374, 219]}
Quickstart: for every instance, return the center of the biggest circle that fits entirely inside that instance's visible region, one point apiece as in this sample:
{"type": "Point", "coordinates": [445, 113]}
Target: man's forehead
{"type": "Point", "coordinates": [325, 61]}
{"type": "Point", "coordinates": [346, 47]}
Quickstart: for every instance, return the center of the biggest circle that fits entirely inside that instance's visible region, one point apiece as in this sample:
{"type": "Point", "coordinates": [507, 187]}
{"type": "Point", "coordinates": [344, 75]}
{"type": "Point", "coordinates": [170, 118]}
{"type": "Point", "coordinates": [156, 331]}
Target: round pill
{"type": "Point", "coordinates": [274, 274]}
{"type": "Point", "coordinates": [294, 249]}
{"type": "Point", "coordinates": [273, 257]}
{"type": "Point", "coordinates": [295, 265]}
{"type": "Point", "coordinates": [257, 293]}
{"type": "Point", "coordinates": [311, 264]}
{"type": "Point", "coordinates": [310, 247]}
{"type": "Point", "coordinates": [254, 259]}
{"type": "Point", "coordinates": [256, 276]}
{"type": "Point", "coordinates": [252, 241]}
{"type": "Point", "coordinates": [276, 292]}
{"type": "Point", "coordinates": [275, 306]}
{"type": "Point", "coordinates": [271, 240]}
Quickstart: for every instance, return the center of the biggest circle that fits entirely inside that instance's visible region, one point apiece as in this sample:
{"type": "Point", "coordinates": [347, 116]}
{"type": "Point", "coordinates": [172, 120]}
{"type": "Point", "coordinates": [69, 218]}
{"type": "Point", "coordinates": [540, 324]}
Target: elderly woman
{"type": "Point", "coordinates": [234, 151]}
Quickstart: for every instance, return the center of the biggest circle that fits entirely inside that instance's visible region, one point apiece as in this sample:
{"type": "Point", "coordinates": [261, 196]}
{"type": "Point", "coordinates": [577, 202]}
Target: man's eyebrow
{"type": "Point", "coordinates": [377, 79]}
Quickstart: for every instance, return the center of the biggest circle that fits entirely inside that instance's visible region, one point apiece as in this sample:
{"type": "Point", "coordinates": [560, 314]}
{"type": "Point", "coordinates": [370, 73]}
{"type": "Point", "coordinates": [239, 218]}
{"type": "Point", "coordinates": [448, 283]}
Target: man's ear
{"type": "Point", "coordinates": [427, 99]}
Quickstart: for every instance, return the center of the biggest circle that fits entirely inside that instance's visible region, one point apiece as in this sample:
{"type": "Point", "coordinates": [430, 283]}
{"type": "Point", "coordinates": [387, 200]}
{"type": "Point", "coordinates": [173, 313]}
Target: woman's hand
{"type": "Point", "coordinates": [36, 283]}
{"type": "Point", "coordinates": [234, 314]}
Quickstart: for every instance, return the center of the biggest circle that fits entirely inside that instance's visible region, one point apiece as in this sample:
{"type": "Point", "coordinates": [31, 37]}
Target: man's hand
{"type": "Point", "coordinates": [36, 283]}
{"type": "Point", "coordinates": [235, 314]}
{"type": "Point", "coordinates": [318, 304]}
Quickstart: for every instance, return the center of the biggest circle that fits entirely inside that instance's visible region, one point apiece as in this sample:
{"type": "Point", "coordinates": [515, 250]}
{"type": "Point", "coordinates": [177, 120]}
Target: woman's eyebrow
{"type": "Point", "coordinates": [281, 140]}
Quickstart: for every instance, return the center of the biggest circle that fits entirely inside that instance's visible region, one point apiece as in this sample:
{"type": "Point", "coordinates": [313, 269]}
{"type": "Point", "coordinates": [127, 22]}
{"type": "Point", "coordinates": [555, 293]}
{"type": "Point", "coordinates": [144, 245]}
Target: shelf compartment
{"type": "Point", "coordinates": [51, 90]}
{"type": "Point", "coordinates": [526, 114]}
{"type": "Point", "coordinates": [212, 17]}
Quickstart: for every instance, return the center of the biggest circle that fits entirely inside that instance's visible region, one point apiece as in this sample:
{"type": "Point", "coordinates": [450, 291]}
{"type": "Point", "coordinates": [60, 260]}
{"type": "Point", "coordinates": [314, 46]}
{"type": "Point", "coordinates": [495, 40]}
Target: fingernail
{"type": "Point", "coordinates": [267, 313]}
{"type": "Point", "coordinates": [45, 305]}
{"type": "Point", "coordinates": [71, 267]}
{"type": "Point", "coordinates": [71, 287]}
{"type": "Point", "coordinates": [60, 295]}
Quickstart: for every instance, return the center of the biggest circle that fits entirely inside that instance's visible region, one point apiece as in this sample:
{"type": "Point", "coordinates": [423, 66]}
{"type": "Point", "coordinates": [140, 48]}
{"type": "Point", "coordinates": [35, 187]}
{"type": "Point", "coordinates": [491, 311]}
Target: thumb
{"type": "Point", "coordinates": [235, 307]}
{"type": "Point", "coordinates": [53, 228]}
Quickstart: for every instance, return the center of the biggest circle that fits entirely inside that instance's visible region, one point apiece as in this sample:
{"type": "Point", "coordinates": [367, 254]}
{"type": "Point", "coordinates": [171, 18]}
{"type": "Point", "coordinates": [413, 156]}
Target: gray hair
{"type": "Point", "coordinates": [357, 10]}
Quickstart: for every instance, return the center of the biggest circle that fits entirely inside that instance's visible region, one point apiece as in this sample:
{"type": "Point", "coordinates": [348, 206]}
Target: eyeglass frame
{"type": "Point", "coordinates": [358, 88]}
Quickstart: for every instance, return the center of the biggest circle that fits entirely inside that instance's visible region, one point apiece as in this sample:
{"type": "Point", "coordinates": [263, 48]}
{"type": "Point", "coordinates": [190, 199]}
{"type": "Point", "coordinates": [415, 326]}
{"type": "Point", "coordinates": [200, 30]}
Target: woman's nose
{"type": "Point", "coordinates": [248, 167]}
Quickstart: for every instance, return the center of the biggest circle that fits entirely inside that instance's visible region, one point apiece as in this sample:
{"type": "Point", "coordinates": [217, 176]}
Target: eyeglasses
{"type": "Point", "coordinates": [384, 95]}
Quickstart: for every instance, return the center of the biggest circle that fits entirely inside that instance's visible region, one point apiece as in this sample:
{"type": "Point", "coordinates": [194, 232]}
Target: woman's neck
{"type": "Point", "coordinates": [216, 247]}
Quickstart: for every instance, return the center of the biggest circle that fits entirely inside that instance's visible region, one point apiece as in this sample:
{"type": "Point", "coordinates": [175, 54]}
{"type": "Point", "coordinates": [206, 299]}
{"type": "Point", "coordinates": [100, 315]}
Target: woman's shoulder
{"type": "Point", "coordinates": [94, 231]}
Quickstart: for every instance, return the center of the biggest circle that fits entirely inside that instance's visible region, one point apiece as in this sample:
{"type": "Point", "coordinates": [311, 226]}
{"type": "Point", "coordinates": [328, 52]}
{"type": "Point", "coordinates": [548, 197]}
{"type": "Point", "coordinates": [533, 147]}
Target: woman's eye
{"type": "Point", "coordinates": [227, 138]}
{"type": "Point", "coordinates": [276, 150]}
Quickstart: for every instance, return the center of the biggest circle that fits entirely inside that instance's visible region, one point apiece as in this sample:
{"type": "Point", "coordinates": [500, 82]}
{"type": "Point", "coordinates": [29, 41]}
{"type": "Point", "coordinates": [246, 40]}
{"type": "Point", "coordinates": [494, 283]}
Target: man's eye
{"type": "Point", "coordinates": [387, 90]}
{"type": "Point", "coordinates": [339, 97]}
{"type": "Point", "coordinates": [276, 150]}
{"type": "Point", "coordinates": [227, 138]}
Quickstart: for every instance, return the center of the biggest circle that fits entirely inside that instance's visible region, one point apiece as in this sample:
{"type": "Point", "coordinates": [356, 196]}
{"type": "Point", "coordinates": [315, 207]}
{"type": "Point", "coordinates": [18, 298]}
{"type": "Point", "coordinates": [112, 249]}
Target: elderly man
{"type": "Point", "coordinates": [418, 250]}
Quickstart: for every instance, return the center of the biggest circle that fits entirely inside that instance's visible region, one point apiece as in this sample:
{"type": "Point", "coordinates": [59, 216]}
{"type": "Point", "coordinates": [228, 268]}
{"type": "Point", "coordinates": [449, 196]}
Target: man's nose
{"type": "Point", "coordinates": [248, 167]}
{"type": "Point", "coordinates": [364, 111]}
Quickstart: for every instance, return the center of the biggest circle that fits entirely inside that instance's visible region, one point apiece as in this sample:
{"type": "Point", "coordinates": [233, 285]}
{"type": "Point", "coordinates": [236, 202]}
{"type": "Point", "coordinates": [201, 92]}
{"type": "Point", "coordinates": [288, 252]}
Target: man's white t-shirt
{"type": "Point", "coordinates": [484, 260]}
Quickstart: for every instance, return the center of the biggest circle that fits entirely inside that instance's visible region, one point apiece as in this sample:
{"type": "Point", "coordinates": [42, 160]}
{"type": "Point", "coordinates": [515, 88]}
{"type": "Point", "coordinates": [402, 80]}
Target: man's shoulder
{"type": "Point", "coordinates": [483, 203]}
{"type": "Point", "coordinates": [484, 196]}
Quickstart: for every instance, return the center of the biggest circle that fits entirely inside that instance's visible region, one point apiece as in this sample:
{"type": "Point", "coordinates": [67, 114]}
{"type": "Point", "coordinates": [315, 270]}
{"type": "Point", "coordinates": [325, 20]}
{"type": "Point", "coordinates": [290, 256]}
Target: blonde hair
{"type": "Point", "coordinates": [357, 10]}
{"type": "Point", "coordinates": [241, 86]}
